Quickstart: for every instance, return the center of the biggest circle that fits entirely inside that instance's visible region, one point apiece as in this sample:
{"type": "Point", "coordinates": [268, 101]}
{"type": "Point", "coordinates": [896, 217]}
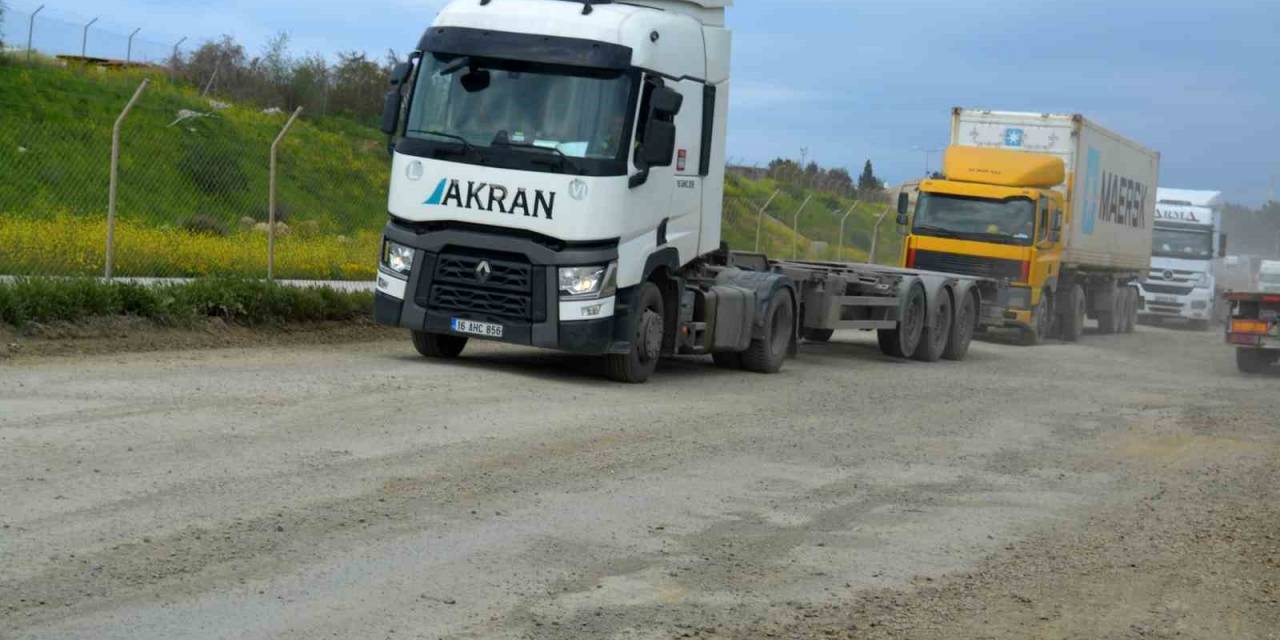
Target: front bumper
{"type": "Point", "coordinates": [441, 287]}
{"type": "Point", "coordinates": [1196, 305]}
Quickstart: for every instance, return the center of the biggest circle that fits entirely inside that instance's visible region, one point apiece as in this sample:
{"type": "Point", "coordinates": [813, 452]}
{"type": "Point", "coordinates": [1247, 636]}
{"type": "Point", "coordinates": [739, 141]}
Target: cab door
{"type": "Point", "coordinates": [1050, 228]}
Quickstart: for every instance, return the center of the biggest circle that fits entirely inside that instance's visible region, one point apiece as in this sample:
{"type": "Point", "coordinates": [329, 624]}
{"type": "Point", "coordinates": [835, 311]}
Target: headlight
{"type": "Point", "coordinates": [397, 257]}
{"type": "Point", "coordinates": [588, 283]}
{"type": "Point", "coordinates": [1202, 281]}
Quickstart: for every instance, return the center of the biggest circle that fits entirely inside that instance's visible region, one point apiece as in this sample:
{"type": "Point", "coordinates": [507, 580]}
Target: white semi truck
{"type": "Point", "coordinates": [1182, 284]}
{"type": "Point", "coordinates": [557, 181]}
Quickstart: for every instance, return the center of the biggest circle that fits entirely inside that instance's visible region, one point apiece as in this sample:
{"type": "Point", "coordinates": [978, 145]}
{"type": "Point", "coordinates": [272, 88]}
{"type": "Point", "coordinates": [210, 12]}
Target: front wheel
{"type": "Point", "coordinates": [1041, 321]}
{"type": "Point", "coordinates": [438, 345]}
{"type": "Point", "coordinates": [639, 363]}
{"type": "Point", "coordinates": [766, 354]}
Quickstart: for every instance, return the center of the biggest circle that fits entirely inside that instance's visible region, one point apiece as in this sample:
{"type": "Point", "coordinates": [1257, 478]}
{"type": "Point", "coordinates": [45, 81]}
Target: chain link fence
{"type": "Point", "coordinates": [193, 174]}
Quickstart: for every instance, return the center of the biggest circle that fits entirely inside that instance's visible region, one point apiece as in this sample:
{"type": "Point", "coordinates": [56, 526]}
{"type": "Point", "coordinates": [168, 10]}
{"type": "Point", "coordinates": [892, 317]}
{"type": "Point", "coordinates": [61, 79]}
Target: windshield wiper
{"type": "Point", "coordinates": [937, 231]}
{"type": "Point", "coordinates": [564, 159]}
{"type": "Point", "coordinates": [467, 147]}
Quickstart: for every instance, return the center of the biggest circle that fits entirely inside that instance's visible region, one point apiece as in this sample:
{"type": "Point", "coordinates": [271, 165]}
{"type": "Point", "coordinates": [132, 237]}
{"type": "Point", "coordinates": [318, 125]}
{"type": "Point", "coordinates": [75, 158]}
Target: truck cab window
{"type": "Point", "coordinates": [1043, 233]}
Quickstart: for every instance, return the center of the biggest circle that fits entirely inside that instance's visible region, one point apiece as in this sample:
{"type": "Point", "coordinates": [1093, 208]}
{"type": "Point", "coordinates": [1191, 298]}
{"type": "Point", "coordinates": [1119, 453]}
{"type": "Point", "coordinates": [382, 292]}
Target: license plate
{"type": "Point", "coordinates": [1166, 299]}
{"type": "Point", "coordinates": [485, 329]}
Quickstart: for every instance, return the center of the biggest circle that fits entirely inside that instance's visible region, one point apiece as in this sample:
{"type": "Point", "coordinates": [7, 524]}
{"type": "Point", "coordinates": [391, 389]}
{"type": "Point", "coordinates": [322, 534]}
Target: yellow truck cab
{"type": "Point", "coordinates": [1058, 208]}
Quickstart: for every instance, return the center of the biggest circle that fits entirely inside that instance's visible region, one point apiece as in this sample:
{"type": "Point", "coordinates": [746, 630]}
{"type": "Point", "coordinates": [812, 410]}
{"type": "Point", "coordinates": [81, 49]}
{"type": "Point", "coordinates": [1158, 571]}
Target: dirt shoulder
{"type": "Point", "coordinates": [1196, 555]}
{"type": "Point", "coordinates": [98, 336]}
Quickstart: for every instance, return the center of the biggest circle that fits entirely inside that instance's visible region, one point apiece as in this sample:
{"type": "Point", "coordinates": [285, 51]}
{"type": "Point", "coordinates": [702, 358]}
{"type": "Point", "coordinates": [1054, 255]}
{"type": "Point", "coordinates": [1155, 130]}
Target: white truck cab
{"type": "Point", "coordinates": [1269, 276]}
{"type": "Point", "coordinates": [549, 158]}
{"type": "Point", "coordinates": [1187, 238]}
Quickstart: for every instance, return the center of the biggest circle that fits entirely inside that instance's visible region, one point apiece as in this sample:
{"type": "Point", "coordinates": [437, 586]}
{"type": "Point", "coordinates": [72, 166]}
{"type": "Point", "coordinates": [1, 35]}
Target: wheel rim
{"type": "Point", "coordinates": [941, 322]}
{"type": "Point", "coordinates": [913, 322]}
{"type": "Point", "coordinates": [779, 337]}
{"type": "Point", "coordinates": [650, 335]}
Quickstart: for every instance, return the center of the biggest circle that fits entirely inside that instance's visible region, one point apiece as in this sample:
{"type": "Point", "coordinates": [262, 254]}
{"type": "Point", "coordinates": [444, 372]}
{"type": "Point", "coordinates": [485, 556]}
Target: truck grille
{"type": "Point", "coordinates": [1166, 289]}
{"type": "Point", "coordinates": [997, 268]}
{"type": "Point", "coordinates": [482, 285]}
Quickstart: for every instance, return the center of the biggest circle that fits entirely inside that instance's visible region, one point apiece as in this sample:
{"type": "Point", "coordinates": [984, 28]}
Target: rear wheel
{"type": "Point", "coordinates": [1130, 309]}
{"type": "Point", "coordinates": [937, 332]}
{"type": "Point", "coordinates": [902, 341]}
{"type": "Point", "coordinates": [1109, 319]}
{"type": "Point", "coordinates": [766, 354]}
{"type": "Point", "coordinates": [1072, 321]}
{"type": "Point", "coordinates": [438, 345]}
{"type": "Point", "coordinates": [1255, 360]}
{"type": "Point", "coordinates": [963, 328]}
{"type": "Point", "coordinates": [639, 363]}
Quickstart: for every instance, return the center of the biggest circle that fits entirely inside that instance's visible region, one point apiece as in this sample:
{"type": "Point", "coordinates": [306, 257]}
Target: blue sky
{"type": "Point", "coordinates": [874, 79]}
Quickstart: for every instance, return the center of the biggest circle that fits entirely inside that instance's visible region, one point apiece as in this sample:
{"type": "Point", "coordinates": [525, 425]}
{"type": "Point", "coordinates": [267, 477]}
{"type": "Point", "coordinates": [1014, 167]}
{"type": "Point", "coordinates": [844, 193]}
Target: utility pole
{"type": "Point", "coordinates": [928, 152]}
{"type": "Point", "coordinates": [31, 29]}
{"type": "Point", "coordinates": [84, 38]}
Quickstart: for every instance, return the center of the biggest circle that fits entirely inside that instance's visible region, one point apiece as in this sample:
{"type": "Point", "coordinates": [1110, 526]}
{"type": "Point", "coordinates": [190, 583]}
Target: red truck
{"type": "Point", "coordinates": [1254, 330]}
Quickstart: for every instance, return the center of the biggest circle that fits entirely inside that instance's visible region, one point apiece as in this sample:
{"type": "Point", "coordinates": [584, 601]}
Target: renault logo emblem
{"type": "Point", "coordinates": [414, 170]}
{"type": "Point", "coordinates": [578, 189]}
{"type": "Point", "coordinates": [483, 270]}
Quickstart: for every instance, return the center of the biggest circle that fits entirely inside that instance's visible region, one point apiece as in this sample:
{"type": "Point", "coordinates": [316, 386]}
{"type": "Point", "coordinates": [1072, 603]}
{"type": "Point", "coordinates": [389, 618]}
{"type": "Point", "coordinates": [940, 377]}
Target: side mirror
{"type": "Point", "coordinates": [1222, 245]}
{"type": "Point", "coordinates": [902, 220]}
{"type": "Point", "coordinates": [665, 103]}
{"type": "Point", "coordinates": [391, 112]}
{"type": "Point", "coordinates": [659, 145]}
{"type": "Point", "coordinates": [1057, 222]}
{"type": "Point", "coordinates": [400, 73]}
{"type": "Point", "coordinates": [904, 202]}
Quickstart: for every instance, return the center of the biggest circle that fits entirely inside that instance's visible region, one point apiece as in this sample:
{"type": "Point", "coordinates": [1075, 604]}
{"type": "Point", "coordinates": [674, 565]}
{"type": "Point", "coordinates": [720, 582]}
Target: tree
{"type": "Point", "coordinates": [358, 86]}
{"type": "Point", "coordinates": [868, 183]}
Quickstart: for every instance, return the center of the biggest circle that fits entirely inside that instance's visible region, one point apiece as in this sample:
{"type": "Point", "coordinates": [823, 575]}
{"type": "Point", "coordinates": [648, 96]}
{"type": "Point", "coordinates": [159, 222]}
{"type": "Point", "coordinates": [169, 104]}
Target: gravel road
{"type": "Point", "coordinates": [1123, 487]}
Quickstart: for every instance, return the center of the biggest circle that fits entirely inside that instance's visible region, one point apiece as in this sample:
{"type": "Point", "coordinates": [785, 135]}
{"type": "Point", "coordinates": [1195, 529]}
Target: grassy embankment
{"type": "Point", "coordinates": [191, 192]}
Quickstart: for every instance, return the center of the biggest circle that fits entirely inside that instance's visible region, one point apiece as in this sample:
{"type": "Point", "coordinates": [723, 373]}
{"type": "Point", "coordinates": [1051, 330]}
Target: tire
{"type": "Point", "coordinates": [962, 329]}
{"type": "Point", "coordinates": [936, 335]}
{"type": "Point", "coordinates": [766, 354]}
{"type": "Point", "coordinates": [1041, 322]}
{"type": "Point", "coordinates": [1255, 360]}
{"type": "Point", "coordinates": [638, 364]}
{"type": "Point", "coordinates": [818, 335]}
{"type": "Point", "coordinates": [438, 345]}
{"type": "Point", "coordinates": [1130, 309]}
{"type": "Point", "coordinates": [727, 359]}
{"type": "Point", "coordinates": [1071, 323]}
{"type": "Point", "coordinates": [902, 341]}
{"type": "Point", "coordinates": [1109, 320]}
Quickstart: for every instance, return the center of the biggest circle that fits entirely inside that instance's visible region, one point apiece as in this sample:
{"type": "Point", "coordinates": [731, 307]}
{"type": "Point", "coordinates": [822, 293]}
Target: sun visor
{"type": "Point", "coordinates": [1003, 167]}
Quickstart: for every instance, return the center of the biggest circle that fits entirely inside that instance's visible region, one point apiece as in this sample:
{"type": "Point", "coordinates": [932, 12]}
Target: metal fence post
{"type": "Point", "coordinates": [795, 228]}
{"type": "Point", "coordinates": [271, 198]}
{"type": "Point", "coordinates": [760, 216]}
{"type": "Point", "coordinates": [840, 250]}
{"type": "Point", "coordinates": [31, 30]}
{"type": "Point", "coordinates": [128, 55]}
{"type": "Point", "coordinates": [84, 39]}
{"type": "Point", "coordinates": [115, 179]}
{"type": "Point", "coordinates": [875, 235]}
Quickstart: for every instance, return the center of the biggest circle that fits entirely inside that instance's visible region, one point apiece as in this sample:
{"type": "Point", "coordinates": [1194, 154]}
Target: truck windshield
{"type": "Point", "coordinates": [524, 115]}
{"type": "Point", "coordinates": [1010, 221]}
{"type": "Point", "coordinates": [1270, 278]}
{"type": "Point", "coordinates": [1189, 244]}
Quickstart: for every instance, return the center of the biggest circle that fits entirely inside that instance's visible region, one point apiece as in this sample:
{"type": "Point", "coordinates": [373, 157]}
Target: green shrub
{"type": "Point", "coordinates": [244, 302]}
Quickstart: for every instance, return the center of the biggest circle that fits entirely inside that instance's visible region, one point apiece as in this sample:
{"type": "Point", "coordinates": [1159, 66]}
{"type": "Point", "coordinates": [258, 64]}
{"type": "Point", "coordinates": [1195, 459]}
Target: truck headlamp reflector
{"type": "Point", "coordinates": [397, 257]}
{"type": "Point", "coordinates": [586, 283]}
